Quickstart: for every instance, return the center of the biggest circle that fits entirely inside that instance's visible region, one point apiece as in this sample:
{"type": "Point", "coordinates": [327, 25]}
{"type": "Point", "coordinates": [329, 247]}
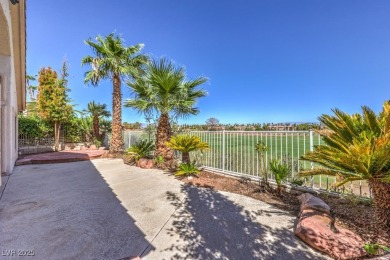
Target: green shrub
{"type": "Point", "coordinates": [280, 170]}
{"type": "Point", "coordinates": [375, 249]}
{"type": "Point", "coordinates": [97, 143]}
{"type": "Point", "coordinates": [33, 127]}
{"type": "Point", "coordinates": [141, 149]}
{"type": "Point", "coordinates": [297, 181]}
{"type": "Point", "coordinates": [73, 130]}
{"type": "Point", "coordinates": [159, 160]}
{"type": "Point", "coordinates": [187, 169]}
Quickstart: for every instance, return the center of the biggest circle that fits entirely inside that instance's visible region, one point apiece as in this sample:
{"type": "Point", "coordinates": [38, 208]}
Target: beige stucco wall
{"type": "Point", "coordinates": [12, 79]}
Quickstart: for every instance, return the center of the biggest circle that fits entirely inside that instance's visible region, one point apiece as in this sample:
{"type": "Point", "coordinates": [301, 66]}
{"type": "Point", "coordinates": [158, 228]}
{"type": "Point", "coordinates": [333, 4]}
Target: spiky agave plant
{"type": "Point", "coordinates": [357, 148]}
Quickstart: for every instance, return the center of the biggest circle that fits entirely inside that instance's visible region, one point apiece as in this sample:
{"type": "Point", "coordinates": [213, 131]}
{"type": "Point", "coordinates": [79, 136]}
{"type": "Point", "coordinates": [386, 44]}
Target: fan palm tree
{"type": "Point", "coordinates": [165, 90]}
{"type": "Point", "coordinates": [97, 111]}
{"type": "Point", "coordinates": [113, 61]}
{"type": "Point", "coordinates": [186, 144]}
{"type": "Point", "coordinates": [358, 148]}
{"type": "Point", "coordinates": [31, 89]}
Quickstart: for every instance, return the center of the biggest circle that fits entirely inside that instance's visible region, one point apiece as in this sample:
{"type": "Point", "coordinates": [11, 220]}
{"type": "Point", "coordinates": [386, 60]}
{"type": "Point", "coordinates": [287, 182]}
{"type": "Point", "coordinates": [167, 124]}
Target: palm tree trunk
{"type": "Point", "coordinates": [381, 197]}
{"type": "Point", "coordinates": [185, 157]}
{"type": "Point", "coordinates": [163, 134]}
{"type": "Point", "coordinates": [116, 144]}
{"type": "Point", "coordinates": [96, 127]}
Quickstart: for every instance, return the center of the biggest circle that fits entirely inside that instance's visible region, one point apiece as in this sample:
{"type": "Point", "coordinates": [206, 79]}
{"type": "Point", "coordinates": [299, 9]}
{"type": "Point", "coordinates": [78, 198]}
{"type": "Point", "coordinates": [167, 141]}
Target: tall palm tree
{"type": "Point", "coordinates": [97, 111]}
{"type": "Point", "coordinates": [358, 148]}
{"type": "Point", "coordinates": [31, 89]}
{"type": "Point", "coordinates": [113, 61]}
{"type": "Point", "coordinates": [165, 90]}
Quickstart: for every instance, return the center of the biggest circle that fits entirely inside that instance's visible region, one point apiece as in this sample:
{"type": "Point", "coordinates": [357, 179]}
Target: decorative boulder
{"type": "Point", "coordinates": [146, 163]}
{"type": "Point", "coordinates": [313, 227]}
{"type": "Point", "coordinates": [309, 201]}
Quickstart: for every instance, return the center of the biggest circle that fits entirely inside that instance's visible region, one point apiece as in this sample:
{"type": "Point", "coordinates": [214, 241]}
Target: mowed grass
{"type": "Point", "coordinates": [241, 156]}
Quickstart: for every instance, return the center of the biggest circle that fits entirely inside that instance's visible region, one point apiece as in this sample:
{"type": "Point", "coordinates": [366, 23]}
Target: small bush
{"type": "Point", "coordinates": [187, 169]}
{"type": "Point", "coordinates": [355, 199]}
{"type": "Point", "coordinates": [159, 160]}
{"type": "Point", "coordinates": [129, 159]}
{"type": "Point", "coordinates": [280, 170]}
{"type": "Point", "coordinates": [141, 149]}
{"type": "Point", "coordinates": [297, 181]}
{"type": "Point", "coordinates": [33, 127]}
{"type": "Point", "coordinates": [375, 249]}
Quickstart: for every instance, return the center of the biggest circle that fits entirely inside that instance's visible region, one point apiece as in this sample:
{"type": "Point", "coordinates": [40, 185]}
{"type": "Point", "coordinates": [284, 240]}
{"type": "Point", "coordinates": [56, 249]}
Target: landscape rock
{"type": "Point", "coordinates": [146, 163]}
{"type": "Point", "coordinates": [309, 201]}
{"type": "Point", "coordinates": [313, 227]}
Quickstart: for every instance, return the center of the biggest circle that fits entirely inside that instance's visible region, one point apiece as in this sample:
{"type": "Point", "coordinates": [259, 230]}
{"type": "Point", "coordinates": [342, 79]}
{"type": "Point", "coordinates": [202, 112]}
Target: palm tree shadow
{"type": "Point", "coordinates": [213, 227]}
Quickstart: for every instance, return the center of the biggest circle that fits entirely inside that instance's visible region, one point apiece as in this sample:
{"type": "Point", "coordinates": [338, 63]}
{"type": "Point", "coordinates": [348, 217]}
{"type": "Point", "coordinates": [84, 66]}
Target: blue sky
{"type": "Point", "coordinates": [266, 60]}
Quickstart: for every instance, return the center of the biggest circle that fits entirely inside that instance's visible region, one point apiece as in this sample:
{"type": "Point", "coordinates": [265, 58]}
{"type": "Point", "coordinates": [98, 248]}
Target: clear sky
{"type": "Point", "coordinates": [266, 60]}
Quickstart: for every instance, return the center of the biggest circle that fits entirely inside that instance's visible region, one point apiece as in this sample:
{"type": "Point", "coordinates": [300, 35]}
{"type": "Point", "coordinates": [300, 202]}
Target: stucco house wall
{"type": "Point", "coordinates": [12, 79]}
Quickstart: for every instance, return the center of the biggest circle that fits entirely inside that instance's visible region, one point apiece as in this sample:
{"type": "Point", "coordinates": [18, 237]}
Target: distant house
{"type": "Point", "coordinates": [281, 127]}
{"type": "Point", "coordinates": [12, 78]}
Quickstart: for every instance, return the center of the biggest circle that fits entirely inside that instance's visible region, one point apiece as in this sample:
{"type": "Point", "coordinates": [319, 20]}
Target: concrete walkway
{"type": "Point", "coordinates": [104, 209]}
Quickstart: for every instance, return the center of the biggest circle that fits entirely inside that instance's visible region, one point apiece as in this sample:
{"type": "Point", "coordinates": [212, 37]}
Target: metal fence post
{"type": "Point", "coordinates": [129, 139]}
{"type": "Point", "coordinates": [311, 149]}
{"type": "Point", "coordinates": [223, 150]}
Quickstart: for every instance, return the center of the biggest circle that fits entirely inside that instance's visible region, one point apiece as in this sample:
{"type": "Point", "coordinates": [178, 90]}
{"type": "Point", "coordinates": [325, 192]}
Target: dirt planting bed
{"type": "Point", "coordinates": [350, 212]}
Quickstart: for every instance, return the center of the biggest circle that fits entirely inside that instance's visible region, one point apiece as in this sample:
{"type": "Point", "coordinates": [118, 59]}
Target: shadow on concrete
{"type": "Point", "coordinates": [215, 227]}
{"type": "Point", "coordinates": [66, 211]}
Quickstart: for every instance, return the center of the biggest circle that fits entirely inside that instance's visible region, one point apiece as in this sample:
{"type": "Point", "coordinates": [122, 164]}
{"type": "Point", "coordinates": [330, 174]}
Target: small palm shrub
{"type": "Point", "coordinates": [187, 169]}
{"type": "Point", "coordinates": [141, 149]}
{"type": "Point", "coordinates": [186, 144]}
{"type": "Point", "coordinates": [280, 170]}
{"type": "Point", "coordinates": [357, 148]}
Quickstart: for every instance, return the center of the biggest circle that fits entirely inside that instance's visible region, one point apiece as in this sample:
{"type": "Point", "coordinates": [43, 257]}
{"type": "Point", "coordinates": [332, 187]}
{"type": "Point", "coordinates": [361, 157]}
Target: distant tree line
{"type": "Point", "coordinates": [214, 125]}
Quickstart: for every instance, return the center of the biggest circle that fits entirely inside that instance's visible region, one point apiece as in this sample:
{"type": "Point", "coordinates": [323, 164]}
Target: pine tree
{"type": "Point", "coordinates": [52, 101]}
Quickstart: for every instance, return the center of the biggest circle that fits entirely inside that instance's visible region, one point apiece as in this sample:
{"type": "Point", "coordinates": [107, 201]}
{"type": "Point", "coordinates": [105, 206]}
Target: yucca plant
{"type": "Point", "coordinates": [186, 144]}
{"type": "Point", "coordinates": [261, 150]}
{"type": "Point", "coordinates": [357, 148]}
{"type": "Point", "coordinates": [141, 149]}
{"type": "Point", "coordinates": [280, 170]}
{"type": "Point", "coordinates": [186, 169]}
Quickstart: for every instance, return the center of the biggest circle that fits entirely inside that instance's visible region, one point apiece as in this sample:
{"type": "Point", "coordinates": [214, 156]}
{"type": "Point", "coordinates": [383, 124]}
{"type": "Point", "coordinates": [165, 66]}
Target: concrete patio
{"type": "Point", "coordinates": [104, 209]}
